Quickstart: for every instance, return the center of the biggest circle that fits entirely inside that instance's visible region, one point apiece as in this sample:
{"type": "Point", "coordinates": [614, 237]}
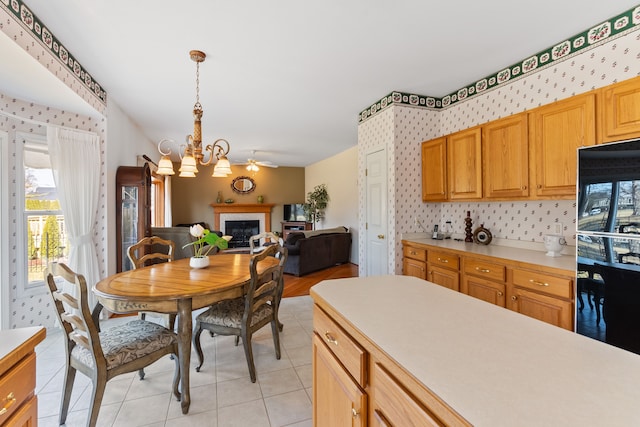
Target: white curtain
{"type": "Point", "coordinates": [75, 160]}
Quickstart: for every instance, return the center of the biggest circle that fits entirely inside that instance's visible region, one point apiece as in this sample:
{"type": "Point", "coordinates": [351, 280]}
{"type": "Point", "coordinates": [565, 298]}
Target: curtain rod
{"type": "Point", "coordinates": [13, 116]}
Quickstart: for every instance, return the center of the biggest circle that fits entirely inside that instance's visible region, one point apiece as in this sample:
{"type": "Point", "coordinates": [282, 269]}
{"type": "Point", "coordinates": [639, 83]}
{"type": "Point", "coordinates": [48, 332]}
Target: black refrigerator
{"type": "Point", "coordinates": [608, 244]}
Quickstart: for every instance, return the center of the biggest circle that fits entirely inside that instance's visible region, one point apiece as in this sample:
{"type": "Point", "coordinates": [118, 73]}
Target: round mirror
{"type": "Point", "coordinates": [243, 185]}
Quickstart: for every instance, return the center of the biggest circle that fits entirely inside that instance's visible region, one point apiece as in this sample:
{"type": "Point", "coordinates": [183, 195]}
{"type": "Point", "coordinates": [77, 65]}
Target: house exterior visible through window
{"type": "Point", "coordinates": [44, 236]}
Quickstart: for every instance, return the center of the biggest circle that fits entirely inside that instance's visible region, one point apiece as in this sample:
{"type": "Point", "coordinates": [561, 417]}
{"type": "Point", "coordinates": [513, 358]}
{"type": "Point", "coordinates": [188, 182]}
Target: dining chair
{"type": "Point", "coordinates": [258, 242]}
{"type": "Point", "coordinates": [102, 355]}
{"type": "Point", "coordinates": [140, 256]}
{"type": "Point", "coordinates": [243, 316]}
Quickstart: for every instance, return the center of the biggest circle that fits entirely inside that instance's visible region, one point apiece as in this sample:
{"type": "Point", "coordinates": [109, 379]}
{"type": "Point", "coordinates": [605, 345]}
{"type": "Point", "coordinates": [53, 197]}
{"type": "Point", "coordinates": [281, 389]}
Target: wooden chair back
{"type": "Point", "coordinates": [139, 256]}
{"type": "Point", "coordinates": [266, 284]}
{"type": "Point", "coordinates": [73, 313]}
{"type": "Point", "coordinates": [258, 241]}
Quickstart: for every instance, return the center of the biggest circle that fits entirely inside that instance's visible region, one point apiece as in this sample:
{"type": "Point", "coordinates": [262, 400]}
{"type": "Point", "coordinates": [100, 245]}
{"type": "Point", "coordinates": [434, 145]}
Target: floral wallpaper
{"type": "Point", "coordinates": [613, 59]}
{"type": "Point", "coordinates": [36, 308]}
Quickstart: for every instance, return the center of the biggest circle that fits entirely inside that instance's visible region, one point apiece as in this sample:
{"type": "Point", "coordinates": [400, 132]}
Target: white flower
{"type": "Point", "coordinates": [196, 231]}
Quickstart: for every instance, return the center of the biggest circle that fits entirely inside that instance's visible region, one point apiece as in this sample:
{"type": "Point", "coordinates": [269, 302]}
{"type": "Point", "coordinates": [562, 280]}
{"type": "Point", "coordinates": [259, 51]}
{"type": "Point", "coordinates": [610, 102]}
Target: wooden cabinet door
{"type": "Point", "coordinates": [337, 398]}
{"type": "Point", "coordinates": [505, 158]}
{"type": "Point", "coordinates": [485, 290]}
{"type": "Point", "coordinates": [26, 415]}
{"type": "Point", "coordinates": [548, 309]}
{"type": "Point", "coordinates": [556, 132]}
{"type": "Point", "coordinates": [415, 268]}
{"type": "Point", "coordinates": [443, 277]}
{"type": "Point", "coordinates": [620, 110]}
{"type": "Point", "coordinates": [434, 170]}
{"type": "Point", "coordinates": [464, 164]}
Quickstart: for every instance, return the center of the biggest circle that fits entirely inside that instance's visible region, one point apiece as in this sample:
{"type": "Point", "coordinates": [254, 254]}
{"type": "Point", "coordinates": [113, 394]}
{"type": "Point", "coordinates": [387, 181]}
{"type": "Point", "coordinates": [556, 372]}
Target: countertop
{"type": "Point", "coordinates": [495, 367]}
{"type": "Point", "coordinates": [511, 253]}
{"type": "Point", "coordinates": [17, 343]}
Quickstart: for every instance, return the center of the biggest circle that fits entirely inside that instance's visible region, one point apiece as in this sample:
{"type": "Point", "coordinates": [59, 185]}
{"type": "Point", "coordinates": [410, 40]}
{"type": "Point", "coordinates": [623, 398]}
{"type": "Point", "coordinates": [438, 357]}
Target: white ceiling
{"type": "Point", "coordinates": [286, 78]}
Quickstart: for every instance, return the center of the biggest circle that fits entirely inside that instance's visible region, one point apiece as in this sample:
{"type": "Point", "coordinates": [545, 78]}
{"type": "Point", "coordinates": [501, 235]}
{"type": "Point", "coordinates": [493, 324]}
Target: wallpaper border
{"type": "Point", "coordinates": [23, 15]}
{"type": "Point", "coordinates": [619, 25]}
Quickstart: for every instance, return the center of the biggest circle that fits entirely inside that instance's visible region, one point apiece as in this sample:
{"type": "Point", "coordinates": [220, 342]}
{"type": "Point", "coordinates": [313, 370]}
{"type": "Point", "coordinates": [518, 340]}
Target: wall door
{"type": "Point", "coordinates": [376, 214]}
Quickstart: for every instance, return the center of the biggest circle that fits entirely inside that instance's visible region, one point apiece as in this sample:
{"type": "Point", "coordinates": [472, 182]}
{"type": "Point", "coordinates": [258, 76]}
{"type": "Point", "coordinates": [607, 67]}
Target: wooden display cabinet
{"type": "Point", "coordinates": [133, 210]}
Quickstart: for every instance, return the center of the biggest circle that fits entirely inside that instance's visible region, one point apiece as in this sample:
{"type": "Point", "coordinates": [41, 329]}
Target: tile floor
{"type": "Point", "coordinates": [221, 393]}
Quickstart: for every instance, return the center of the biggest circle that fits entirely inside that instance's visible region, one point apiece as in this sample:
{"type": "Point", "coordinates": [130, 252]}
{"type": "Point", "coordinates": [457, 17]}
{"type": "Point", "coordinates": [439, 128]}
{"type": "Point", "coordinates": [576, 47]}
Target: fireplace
{"type": "Point", "coordinates": [241, 231]}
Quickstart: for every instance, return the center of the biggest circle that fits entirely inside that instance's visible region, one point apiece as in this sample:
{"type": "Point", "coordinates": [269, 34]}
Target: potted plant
{"type": "Point", "coordinates": [206, 241]}
{"type": "Point", "coordinates": [316, 203]}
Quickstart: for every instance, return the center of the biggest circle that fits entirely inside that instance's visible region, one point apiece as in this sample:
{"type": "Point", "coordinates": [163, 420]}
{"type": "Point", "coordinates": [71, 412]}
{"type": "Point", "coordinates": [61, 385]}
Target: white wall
{"type": "Point", "coordinates": [340, 174]}
{"type": "Point", "coordinates": [125, 141]}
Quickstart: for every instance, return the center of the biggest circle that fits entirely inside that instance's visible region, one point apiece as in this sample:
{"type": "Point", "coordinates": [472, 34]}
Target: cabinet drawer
{"type": "Point", "coordinates": [393, 406]}
{"type": "Point", "coordinates": [557, 286]}
{"type": "Point", "coordinates": [444, 259]}
{"type": "Point", "coordinates": [415, 253]}
{"type": "Point", "coordinates": [347, 351]}
{"type": "Point", "coordinates": [16, 385]}
{"type": "Point", "coordinates": [484, 269]}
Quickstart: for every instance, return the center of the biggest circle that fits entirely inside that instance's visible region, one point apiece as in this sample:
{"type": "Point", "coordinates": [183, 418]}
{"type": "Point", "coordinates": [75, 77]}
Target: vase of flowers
{"type": "Point", "coordinates": [206, 241]}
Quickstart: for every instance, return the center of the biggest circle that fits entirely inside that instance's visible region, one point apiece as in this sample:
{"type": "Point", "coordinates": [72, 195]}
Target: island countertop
{"type": "Point", "coordinates": [493, 366]}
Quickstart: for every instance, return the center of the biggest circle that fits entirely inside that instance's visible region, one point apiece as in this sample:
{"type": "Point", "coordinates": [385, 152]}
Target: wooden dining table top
{"type": "Point", "coordinates": [160, 286]}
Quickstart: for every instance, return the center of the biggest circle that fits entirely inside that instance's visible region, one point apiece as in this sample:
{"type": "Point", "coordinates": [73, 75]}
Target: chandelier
{"type": "Point", "coordinates": [192, 152]}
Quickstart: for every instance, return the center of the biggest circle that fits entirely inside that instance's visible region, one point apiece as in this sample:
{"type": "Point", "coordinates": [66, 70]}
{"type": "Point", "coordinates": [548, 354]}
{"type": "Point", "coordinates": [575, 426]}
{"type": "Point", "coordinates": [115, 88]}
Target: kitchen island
{"type": "Point", "coordinates": [410, 351]}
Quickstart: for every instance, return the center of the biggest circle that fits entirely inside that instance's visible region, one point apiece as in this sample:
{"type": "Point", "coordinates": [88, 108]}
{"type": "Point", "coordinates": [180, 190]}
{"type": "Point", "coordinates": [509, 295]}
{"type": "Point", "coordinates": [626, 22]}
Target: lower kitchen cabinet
{"type": "Point", "coordinates": [356, 384]}
{"type": "Point", "coordinates": [19, 404]}
{"type": "Point", "coordinates": [442, 269]}
{"type": "Point", "coordinates": [414, 262]}
{"type": "Point", "coordinates": [484, 280]}
{"type": "Point", "coordinates": [393, 406]}
{"type": "Point", "coordinates": [529, 289]}
{"type": "Point", "coordinates": [337, 398]}
{"type": "Point", "coordinates": [543, 297]}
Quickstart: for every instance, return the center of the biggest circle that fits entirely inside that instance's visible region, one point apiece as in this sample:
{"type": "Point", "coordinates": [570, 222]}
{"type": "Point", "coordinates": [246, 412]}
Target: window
{"type": "Point", "coordinates": [157, 200]}
{"type": "Point", "coordinates": [42, 226]}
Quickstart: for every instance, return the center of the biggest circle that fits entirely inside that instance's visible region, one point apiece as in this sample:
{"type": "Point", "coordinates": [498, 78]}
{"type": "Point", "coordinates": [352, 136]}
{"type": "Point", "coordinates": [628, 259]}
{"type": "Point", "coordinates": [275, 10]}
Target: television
{"type": "Point", "coordinates": [294, 212]}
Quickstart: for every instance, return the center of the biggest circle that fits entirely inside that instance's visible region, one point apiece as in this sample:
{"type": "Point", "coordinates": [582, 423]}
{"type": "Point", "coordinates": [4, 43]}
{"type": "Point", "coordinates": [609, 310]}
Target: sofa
{"type": "Point", "coordinates": [314, 250]}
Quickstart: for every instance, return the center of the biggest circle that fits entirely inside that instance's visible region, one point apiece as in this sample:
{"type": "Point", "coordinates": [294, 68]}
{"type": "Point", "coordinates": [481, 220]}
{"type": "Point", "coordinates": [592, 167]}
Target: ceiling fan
{"type": "Point", "coordinates": [254, 165]}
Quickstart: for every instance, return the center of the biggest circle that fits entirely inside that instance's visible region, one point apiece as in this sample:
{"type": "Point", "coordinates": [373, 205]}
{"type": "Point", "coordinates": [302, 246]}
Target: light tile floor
{"type": "Point", "coordinates": [221, 393]}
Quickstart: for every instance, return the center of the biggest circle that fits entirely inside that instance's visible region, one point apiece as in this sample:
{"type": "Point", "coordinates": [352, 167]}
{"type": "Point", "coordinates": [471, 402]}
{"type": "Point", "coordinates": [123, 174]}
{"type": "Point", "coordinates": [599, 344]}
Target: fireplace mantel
{"type": "Point", "coordinates": [235, 208]}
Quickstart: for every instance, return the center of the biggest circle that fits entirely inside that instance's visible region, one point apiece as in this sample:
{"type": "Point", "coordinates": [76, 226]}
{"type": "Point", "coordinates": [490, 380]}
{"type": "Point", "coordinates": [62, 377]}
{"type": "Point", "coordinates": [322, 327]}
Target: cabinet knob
{"type": "Point", "coordinates": [524, 187]}
{"type": "Point", "coordinates": [10, 399]}
{"type": "Point", "coordinates": [330, 338]}
{"type": "Point", "coordinates": [535, 282]}
{"type": "Point", "coordinates": [539, 185]}
{"type": "Point", "coordinates": [354, 413]}
{"type": "Point", "coordinates": [500, 293]}
{"type": "Point", "coordinates": [513, 298]}
{"type": "Point", "coordinates": [380, 236]}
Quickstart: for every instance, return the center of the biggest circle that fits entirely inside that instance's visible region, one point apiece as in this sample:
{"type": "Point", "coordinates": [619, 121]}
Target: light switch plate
{"type": "Point", "coordinates": [557, 228]}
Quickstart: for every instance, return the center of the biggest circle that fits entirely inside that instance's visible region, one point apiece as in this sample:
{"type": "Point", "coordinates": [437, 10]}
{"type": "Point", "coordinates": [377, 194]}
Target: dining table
{"type": "Point", "coordinates": [175, 287]}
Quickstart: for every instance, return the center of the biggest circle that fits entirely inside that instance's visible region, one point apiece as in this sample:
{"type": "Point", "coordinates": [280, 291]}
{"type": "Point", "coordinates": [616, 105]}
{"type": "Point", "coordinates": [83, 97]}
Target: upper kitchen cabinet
{"type": "Point", "coordinates": [434, 170]}
{"type": "Point", "coordinates": [464, 161]}
{"type": "Point", "coordinates": [556, 131]}
{"type": "Point", "coordinates": [619, 106]}
{"type": "Point", "coordinates": [505, 158]}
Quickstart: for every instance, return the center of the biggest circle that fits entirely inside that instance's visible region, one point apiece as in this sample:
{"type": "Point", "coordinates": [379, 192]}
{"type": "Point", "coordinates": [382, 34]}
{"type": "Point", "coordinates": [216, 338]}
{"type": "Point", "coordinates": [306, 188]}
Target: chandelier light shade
{"type": "Point", "coordinates": [165, 165]}
{"type": "Point", "coordinates": [192, 152]}
{"type": "Point", "coordinates": [252, 166]}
